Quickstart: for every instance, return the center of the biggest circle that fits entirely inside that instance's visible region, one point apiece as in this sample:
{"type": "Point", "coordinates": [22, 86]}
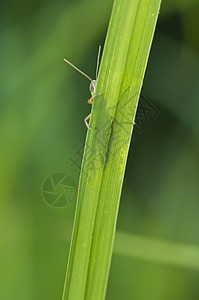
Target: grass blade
{"type": "Point", "coordinates": [159, 251]}
{"type": "Point", "coordinates": [120, 79]}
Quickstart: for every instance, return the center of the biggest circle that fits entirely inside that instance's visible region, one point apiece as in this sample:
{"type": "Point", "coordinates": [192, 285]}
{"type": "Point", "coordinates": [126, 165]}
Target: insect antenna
{"type": "Point", "coordinates": [98, 58]}
{"type": "Point", "coordinates": [77, 69]}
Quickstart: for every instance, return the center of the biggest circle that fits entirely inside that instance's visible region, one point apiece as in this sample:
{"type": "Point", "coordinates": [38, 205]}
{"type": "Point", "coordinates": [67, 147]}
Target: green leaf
{"type": "Point", "coordinates": [157, 251]}
{"type": "Point", "coordinates": [119, 83]}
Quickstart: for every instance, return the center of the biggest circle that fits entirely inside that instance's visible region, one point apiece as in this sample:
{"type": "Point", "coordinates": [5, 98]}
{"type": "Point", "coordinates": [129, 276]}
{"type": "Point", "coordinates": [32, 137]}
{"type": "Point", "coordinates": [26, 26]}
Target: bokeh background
{"type": "Point", "coordinates": [42, 107]}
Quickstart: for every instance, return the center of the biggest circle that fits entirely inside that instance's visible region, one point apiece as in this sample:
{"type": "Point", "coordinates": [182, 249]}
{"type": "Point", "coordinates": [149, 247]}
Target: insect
{"type": "Point", "coordinates": [91, 86]}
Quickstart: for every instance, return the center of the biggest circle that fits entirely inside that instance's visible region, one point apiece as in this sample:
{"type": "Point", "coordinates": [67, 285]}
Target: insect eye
{"type": "Point", "coordinates": [91, 87]}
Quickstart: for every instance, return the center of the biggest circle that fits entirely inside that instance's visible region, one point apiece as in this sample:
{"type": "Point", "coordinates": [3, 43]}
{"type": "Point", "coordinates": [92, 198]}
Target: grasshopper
{"type": "Point", "coordinates": [92, 84]}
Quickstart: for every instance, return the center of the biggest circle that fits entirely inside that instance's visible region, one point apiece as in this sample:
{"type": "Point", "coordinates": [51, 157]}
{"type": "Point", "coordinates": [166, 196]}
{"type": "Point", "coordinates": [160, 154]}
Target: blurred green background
{"type": "Point", "coordinates": [42, 107]}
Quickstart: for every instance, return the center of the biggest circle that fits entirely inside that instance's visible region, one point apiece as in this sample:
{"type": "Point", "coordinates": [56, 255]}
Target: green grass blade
{"type": "Point", "coordinates": [120, 79]}
{"type": "Point", "coordinates": [159, 251]}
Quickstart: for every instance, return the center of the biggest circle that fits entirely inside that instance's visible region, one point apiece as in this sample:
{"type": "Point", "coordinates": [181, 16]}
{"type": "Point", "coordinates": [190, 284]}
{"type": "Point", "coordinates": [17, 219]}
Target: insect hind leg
{"type": "Point", "coordinates": [90, 101]}
{"type": "Point", "coordinates": [86, 119]}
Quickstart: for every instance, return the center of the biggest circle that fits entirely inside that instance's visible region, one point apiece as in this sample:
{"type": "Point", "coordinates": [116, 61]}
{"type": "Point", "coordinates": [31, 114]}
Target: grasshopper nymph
{"type": "Point", "coordinates": [91, 86]}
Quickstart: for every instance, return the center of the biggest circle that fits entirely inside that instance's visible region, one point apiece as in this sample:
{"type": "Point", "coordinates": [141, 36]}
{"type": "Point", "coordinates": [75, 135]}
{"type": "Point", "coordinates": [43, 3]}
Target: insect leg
{"type": "Point", "coordinates": [90, 101]}
{"type": "Point", "coordinates": [86, 119]}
